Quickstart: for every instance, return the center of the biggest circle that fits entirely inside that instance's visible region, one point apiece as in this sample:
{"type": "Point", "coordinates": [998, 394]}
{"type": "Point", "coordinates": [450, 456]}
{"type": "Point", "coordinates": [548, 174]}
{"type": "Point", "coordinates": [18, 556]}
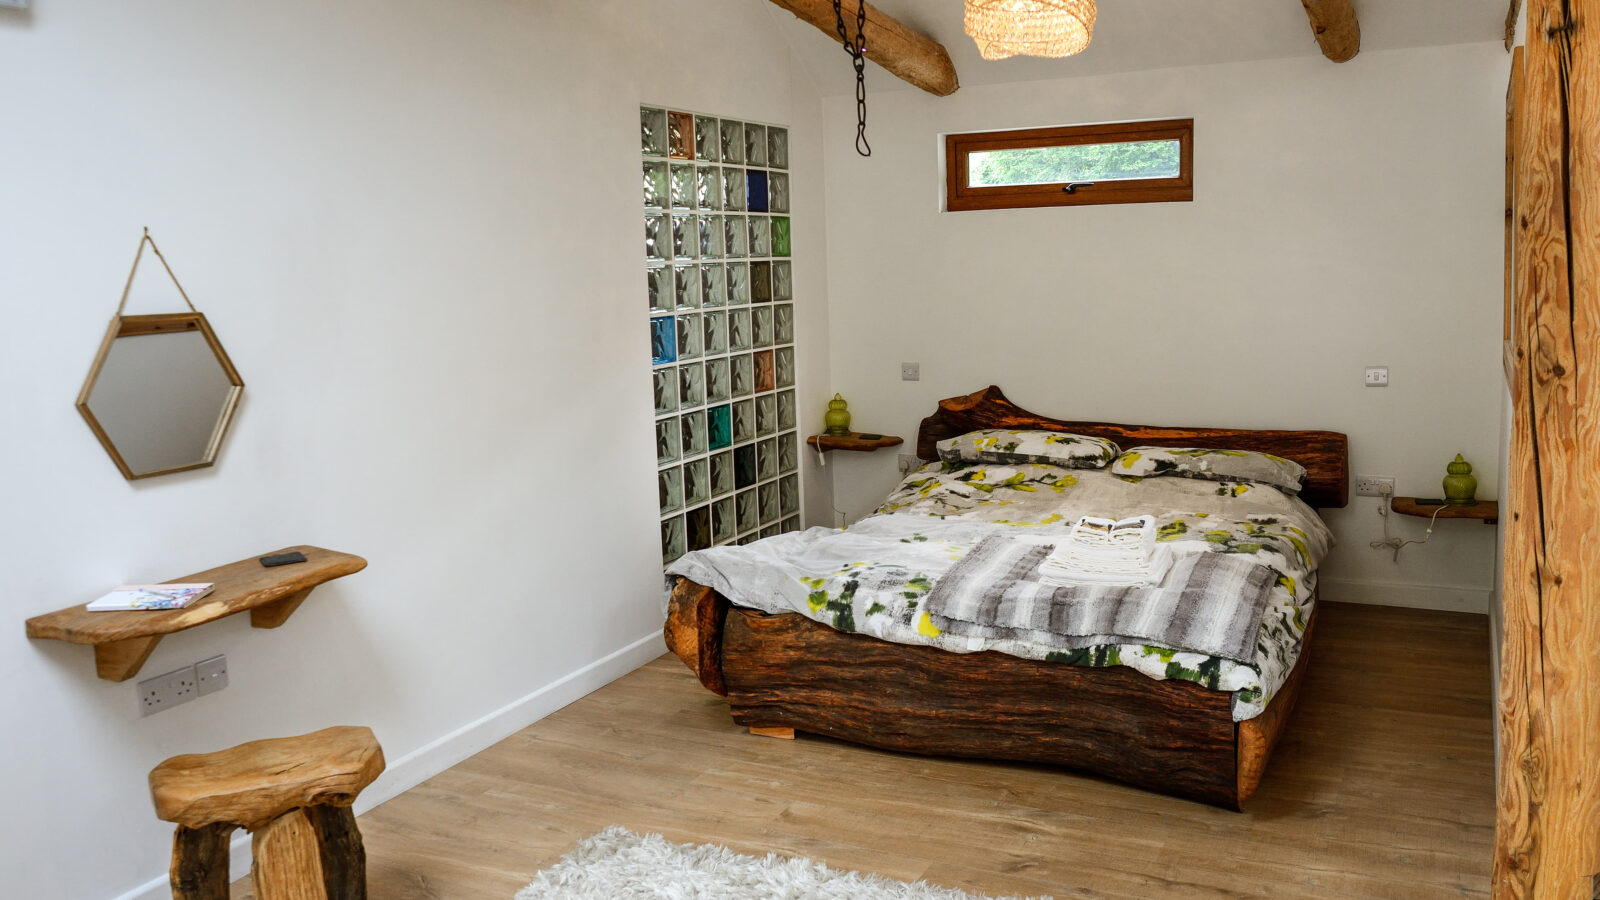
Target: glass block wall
{"type": "Point", "coordinates": [720, 291]}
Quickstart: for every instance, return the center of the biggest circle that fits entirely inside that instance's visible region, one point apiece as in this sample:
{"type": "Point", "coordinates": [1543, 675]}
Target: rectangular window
{"type": "Point", "coordinates": [719, 286]}
{"type": "Point", "coordinates": [1079, 165]}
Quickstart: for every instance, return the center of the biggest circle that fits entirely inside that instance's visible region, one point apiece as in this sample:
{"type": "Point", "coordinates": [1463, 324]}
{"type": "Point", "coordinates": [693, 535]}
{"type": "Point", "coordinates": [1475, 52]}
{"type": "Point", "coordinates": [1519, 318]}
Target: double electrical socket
{"type": "Point", "coordinates": [1374, 486]}
{"type": "Point", "coordinates": [182, 685]}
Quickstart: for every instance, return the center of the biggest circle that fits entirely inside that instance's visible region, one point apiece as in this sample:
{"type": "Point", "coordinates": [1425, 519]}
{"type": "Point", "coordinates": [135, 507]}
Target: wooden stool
{"type": "Point", "coordinates": [293, 793]}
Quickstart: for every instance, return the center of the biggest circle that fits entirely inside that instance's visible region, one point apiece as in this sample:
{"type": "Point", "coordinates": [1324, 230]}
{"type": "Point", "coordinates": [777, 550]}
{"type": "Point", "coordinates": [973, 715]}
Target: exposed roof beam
{"type": "Point", "coordinates": [1334, 23]}
{"type": "Point", "coordinates": [914, 58]}
{"type": "Point", "coordinates": [1511, 23]}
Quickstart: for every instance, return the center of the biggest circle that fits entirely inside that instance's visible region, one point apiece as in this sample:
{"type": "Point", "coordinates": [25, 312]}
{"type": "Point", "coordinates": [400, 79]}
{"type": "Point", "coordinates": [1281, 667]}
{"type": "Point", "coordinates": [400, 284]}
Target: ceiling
{"type": "Point", "coordinates": [1131, 35]}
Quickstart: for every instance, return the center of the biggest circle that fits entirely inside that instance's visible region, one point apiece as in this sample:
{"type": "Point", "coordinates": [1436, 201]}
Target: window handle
{"type": "Point", "coordinates": [1071, 187]}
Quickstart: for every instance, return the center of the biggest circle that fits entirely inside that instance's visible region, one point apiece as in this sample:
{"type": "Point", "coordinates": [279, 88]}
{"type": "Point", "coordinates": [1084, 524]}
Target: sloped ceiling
{"type": "Point", "coordinates": [1132, 35]}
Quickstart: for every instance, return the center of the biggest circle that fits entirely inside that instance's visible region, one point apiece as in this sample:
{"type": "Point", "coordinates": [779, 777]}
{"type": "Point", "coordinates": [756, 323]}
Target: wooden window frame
{"type": "Point", "coordinates": [961, 196]}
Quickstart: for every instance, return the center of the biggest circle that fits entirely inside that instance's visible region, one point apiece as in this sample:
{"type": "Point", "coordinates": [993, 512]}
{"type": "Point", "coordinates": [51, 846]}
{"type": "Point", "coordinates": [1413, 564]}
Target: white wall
{"type": "Point", "coordinates": [1344, 216]}
{"type": "Point", "coordinates": [416, 228]}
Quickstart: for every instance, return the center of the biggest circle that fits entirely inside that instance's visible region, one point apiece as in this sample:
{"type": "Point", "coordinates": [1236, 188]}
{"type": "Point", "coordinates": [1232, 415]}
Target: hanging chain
{"type": "Point", "coordinates": [858, 56]}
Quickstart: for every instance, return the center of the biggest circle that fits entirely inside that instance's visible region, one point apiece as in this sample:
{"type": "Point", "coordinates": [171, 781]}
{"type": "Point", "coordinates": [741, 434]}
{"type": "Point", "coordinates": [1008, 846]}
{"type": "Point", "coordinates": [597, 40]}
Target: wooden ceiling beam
{"type": "Point", "coordinates": [1334, 23]}
{"type": "Point", "coordinates": [912, 57]}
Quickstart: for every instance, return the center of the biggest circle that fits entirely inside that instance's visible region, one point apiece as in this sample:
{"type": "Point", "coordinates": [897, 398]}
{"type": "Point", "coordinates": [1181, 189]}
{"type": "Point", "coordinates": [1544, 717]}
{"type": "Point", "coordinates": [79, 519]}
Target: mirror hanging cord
{"type": "Point", "coordinates": [147, 239]}
{"type": "Point", "coordinates": [858, 57]}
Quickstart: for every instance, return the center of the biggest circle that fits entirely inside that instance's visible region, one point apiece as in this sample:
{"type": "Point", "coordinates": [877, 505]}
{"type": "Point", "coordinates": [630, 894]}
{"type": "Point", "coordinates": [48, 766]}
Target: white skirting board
{"type": "Point", "coordinates": [425, 762]}
{"type": "Point", "coordinates": [1447, 597]}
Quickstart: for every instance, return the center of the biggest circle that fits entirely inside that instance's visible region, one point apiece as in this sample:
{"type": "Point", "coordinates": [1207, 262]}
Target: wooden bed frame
{"type": "Point", "coordinates": [786, 672]}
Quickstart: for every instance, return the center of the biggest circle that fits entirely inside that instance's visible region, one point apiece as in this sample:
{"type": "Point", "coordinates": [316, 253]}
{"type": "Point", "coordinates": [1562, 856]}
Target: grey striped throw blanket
{"type": "Point", "coordinates": [1209, 603]}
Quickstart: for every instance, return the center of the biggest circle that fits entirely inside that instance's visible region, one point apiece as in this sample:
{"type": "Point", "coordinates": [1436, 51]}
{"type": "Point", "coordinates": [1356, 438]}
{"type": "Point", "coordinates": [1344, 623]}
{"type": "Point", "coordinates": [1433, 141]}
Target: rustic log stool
{"type": "Point", "coordinates": [293, 793]}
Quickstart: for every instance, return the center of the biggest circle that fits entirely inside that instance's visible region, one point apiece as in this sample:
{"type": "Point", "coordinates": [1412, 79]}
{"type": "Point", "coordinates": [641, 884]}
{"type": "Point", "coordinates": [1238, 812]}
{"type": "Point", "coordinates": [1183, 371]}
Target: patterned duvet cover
{"type": "Point", "coordinates": [873, 577]}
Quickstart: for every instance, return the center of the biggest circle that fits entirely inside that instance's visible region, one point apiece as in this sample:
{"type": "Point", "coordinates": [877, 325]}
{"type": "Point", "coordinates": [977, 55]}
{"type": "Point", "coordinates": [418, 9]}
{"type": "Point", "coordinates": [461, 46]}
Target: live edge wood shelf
{"type": "Point", "coordinates": [855, 440]}
{"type": "Point", "coordinates": [123, 640]}
{"type": "Point", "coordinates": [1488, 511]}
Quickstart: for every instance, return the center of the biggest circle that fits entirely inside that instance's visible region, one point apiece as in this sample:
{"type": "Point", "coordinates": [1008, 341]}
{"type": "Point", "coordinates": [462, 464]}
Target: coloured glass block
{"type": "Point", "coordinates": [790, 524]}
{"type": "Point", "coordinates": [761, 282]}
{"type": "Point", "coordinates": [708, 187]}
{"type": "Point", "coordinates": [658, 286]}
{"type": "Point", "coordinates": [683, 186]}
{"type": "Point", "coordinates": [755, 196]}
{"type": "Point", "coordinates": [738, 330]}
{"type": "Point", "coordinates": [788, 452]}
{"type": "Point", "coordinates": [780, 235]}
{"type": "Point", "coordinates": [723, 524]}
{"type": "Point", "coordinates": [783, 362]}
{"type": "Point", "coordinates": [733, 237]}
{"type": "Point", "coordinates": [744, 375]}
{"type": "Point", "coordinates": [778, 147]}
{"type": "Point", "coordinates": [744, 467]}
{"type": "Point", "coordinates": [732, 141]}
{"type": "Point", "coordinates": [663, 341]}
{"type": "Point", "coordinates": [720, 419]}
{"type": "Point", "coordinates": [716, 332]}
{"type": "Point", "coordinates": [669, 485]}
{"type": "Point", "coordinates": [786, 411]}
{"type": "Point", "coordinates": [667, 440]}
{"type": "Point", "coordinates": [744, 421]}
{"type": "Point", "coordinates": [665, 389]}
{"type": "Point", "coordinates": [733, 188]}
{"type": "Point", "coordinates": [696, 482]}
{"type": "Point", "coordinates": [673, 542]}
{"type": "Point", "coordinates": [653, 131]}
{"type": "Point", "coordinates": [707, 138]}
{"type": "Point", "coordinates": [767, 496]}
{"type": "Point", "coordinates": [782, 280]}
{"type": "Point", "coordinates": [738, 284]}
{"type": "Point", "coordinates": [721, 474]}
{"type": "Point", "coordinates": [764, 382]}
{"type": "Point", "coordinates": [680, 135]}
{"type": "Point", "coordinates": [778, 192]}
{"type": "Point", "coordinates": [686, 287]}
{"type": "Point", "coordinates": [761, 325]}
{"type": "Point", "coordinates": [760, 236]}
{"type": "Point", "coordinates": [713, 285]}
{"type": "Point", "coordinates": [783, 324]}
{"type": "Point", "coordinates": [766, 455]}
{"type": "Point", "coordinates": [710, 237]}
{"type": "Point", "coordinates": [789, 495]}
{"type": "Point", "coordinates": [685, 237]}
{"type": "Point", "coordinates": [695, 436]}
{"type": "Point", "coordinates": [655, 184]}
{"type": "Point", "coordinates": [688, 337]}
{"type": "Point", "coordinates": [691, 385]}
{"type": "Point", "coordinates": [698, 523]}
{"type": "Point", "coordinates": [766, 414]}
{"type": "Point", "coordinates": [719, 380]}
{"type": "Point", "coordinates": [755, 144]}
{"type": "Point", "coordinates": [746, 503]}
{"type": "Point", "coordinates": [655, 230]}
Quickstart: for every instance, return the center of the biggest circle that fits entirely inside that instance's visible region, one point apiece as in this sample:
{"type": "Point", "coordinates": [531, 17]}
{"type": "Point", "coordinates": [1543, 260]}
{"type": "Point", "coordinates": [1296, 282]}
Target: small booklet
{"type": "Point", "coordinates": [151, 596]}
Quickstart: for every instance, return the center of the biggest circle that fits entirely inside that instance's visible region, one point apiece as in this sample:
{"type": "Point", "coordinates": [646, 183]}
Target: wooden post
{"type": "Point", "coordinates": [1547, 835]}
{"type": "Point", "coordinates": [288, 860]}
{"type": "Point", "coordinates": [200, 862]}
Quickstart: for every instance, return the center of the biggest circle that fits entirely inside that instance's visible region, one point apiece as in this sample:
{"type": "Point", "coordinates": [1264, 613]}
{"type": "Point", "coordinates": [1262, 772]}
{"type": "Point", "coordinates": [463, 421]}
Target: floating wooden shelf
{"type": "Point", "coordinates": [123, 640]}
{"type": "Point", "coordinates": [1488, 511]}
{"type": "Point", "coordinates": [855, 440]}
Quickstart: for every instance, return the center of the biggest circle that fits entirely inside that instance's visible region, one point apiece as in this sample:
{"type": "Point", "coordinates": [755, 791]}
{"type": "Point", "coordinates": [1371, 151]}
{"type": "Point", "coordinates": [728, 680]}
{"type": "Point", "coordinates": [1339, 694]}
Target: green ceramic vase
{"type": "Point", "coordinates": [1460, 488]}
{"type": "Point", "coordinates": [837, 418]}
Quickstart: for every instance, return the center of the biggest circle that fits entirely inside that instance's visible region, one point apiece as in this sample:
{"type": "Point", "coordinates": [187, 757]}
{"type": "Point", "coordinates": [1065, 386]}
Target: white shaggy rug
{"type": "Point", "coordinates": [617, 864]}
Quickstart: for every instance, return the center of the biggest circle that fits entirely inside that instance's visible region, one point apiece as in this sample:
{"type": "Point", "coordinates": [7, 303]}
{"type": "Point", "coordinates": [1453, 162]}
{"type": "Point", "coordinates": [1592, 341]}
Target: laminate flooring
{"type": "Point", "coordinates": [1383, 786]}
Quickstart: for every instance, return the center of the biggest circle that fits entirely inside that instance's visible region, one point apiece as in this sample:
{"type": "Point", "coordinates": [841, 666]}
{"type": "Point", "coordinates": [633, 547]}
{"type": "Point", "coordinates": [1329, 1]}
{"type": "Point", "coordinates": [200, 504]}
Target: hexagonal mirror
{"type": "Point", "coordinates": [160, 394]}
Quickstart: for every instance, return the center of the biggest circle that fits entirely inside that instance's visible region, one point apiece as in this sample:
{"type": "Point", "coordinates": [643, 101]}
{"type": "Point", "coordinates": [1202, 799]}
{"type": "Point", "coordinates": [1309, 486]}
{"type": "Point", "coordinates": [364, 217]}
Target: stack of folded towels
{"type": "Point", "coordinates": [1108, 551]}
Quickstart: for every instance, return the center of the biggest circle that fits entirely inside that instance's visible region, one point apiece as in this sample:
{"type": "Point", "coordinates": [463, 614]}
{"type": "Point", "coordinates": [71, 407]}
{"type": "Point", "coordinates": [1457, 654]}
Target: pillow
{"type": "Point", "coordinates": [1050, 448]}
{"type": "Point", "coordinates": [1215, 465]}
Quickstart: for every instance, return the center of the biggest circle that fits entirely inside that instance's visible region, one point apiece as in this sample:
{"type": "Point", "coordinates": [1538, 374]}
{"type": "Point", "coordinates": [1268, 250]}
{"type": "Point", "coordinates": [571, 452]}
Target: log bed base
{"type": "Point", "coordinates": [786, 673]}
{"type": "Point", "coordinates": [783, 673]}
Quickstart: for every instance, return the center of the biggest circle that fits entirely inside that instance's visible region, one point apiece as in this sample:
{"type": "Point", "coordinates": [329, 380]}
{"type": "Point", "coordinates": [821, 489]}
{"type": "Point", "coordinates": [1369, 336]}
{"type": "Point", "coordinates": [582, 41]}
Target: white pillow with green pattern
{"type": "Point", "coordinates": [1050, 448]}
{"type": "Point", "coordinates": [1214, 465]}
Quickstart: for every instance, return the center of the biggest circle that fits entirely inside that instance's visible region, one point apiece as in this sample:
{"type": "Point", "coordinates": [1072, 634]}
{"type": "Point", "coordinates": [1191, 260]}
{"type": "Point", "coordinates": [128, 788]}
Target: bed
{"type": "Point", "coordinates": [1175, 724]}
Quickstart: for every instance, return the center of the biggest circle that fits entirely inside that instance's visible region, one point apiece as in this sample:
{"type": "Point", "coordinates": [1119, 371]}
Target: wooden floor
{"type": "Point", "coordinates": [1382, 787]}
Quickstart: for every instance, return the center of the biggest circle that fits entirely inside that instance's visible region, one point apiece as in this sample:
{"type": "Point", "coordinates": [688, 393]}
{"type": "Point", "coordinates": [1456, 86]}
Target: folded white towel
{"type": "Point", "coordinates": [1108, 551]}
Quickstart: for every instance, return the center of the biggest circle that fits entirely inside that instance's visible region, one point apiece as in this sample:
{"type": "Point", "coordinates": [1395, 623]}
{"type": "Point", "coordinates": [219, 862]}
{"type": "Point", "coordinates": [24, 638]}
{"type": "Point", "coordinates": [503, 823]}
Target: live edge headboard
{"type": "Point", "coordinates": [1325, 454]}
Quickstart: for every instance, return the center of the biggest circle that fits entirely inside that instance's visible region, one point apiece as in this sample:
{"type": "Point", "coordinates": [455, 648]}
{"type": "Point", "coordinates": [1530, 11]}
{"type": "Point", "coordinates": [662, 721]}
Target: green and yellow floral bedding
{"type": "Point", "coordinates": [873, 577]}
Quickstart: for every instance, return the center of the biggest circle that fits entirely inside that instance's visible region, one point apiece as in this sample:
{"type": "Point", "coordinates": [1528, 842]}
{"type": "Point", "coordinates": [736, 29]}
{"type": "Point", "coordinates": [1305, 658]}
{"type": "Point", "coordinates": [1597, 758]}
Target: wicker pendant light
{"type": "Point", "coordinates": [1005, 28]}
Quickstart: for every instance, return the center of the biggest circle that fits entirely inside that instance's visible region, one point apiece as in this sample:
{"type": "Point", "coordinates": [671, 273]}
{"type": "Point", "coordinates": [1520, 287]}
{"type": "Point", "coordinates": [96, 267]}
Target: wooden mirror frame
{"type": "Point", "coordinates": [163, 323]}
